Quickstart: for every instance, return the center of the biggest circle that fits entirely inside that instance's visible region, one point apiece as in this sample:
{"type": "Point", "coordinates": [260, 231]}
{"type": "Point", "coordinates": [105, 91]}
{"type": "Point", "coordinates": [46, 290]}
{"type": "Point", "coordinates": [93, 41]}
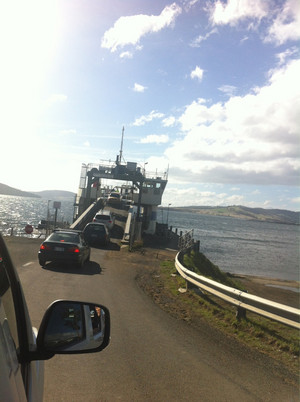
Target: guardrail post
{"type": "Point", "coordinates": [197, 246]}
{"type": "Point", "coordinates": [190, 286]}
{"type": "Point", "coordinates": [240, 313]}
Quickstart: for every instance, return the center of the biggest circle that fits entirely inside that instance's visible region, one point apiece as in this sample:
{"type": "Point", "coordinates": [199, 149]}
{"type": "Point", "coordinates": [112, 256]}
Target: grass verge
{"type": "Point", "coordinates": [269, 337]}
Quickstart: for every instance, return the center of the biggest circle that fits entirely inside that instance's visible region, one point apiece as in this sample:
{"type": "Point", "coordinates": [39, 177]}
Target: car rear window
{"type": "Point", "coordinates": [65, 237]}
{"type": "Point", "coordinates": [97, 228]}
{"type": "Point", "coordinates": [103, 217]}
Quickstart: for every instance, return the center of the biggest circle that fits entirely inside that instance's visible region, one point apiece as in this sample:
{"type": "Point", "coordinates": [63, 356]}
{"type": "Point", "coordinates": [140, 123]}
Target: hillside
{"type": "Point", "coordinates": [235, 211]}
{"type": "Point", "coordinates": [260, 214]}
{"type": "Point", "coordinates": [6, 190]}
{"type": "Point", "coordinates": [56, 195]}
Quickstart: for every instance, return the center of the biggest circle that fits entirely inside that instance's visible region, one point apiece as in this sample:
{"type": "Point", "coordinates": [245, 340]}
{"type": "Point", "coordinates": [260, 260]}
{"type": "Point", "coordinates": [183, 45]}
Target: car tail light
{"type": "Point", "coordinates": [45, 247]}
{"type": "Point", "coordinates": [74, 249]}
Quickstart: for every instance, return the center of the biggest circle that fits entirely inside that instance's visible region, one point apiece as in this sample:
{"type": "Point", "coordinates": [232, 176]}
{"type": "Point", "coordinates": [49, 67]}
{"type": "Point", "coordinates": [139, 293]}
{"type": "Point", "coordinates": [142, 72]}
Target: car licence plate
{"type": "Point", "coordinates": [59, 249]}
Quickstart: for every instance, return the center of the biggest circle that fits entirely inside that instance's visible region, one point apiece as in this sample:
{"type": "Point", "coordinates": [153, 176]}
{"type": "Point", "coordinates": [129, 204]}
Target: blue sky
{"type": "Point", "coordinates": [207, 89]}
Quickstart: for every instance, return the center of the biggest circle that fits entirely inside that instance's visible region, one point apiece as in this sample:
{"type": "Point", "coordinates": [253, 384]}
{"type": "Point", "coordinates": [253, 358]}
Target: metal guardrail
{"type": "Point", "coordinates": [275, 311]}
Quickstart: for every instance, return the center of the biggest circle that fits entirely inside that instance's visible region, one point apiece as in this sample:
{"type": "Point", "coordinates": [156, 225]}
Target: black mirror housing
{"type": "Point", "coordinates": [70, 327]}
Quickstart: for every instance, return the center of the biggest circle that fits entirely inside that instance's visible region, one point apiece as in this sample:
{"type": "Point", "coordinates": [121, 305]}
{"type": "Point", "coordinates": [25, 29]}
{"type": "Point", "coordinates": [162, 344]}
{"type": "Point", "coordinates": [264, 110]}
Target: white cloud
{"type": "Point", "coordinates": [267, 203]}
{"type": "Point", "coordinates": [181, 196]}
{"type": "Point", "coordinates": [129, 30]}
{"type": "Point", "coordinates": [169, 121]}
{"type": "Point", "coordinates": [155, 139]}
{"type": "Point", "coordinates": [126, 55]}
{"type": "Point", "coordinates": [141, 121]}
{"type": "Point", "coordinates": [233, 11]}
{"type": "Point", "coordinates": [286, 25]}
{"type": "Point", "coordinates": [285, 17]}
{"type": "Point", "coordinates": [252, 139]}
{"type": "Point", "coordinates": [188, 4]}
{"type": "Point", "coordinates": [244, 39]}
{"type": "Point", "coordinates": [197, 73]}
{"type": "Point", "coordinates": [139, 88]}
{"type": "Point", "coordinates": [228, 89]}
{"type": "Point", "coordinates": [196, 42]}
{"type": "Point", "coordinates": [296, 201]}
{"type": "Point", "coordinates": [197, 113]}
{"type": "Point", "coordinates": [283, 56]}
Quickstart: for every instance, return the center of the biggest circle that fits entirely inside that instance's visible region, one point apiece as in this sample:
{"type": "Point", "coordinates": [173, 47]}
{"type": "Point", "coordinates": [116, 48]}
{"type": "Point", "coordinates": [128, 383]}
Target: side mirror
{"type": "Point", "coordinates": [70, 327]}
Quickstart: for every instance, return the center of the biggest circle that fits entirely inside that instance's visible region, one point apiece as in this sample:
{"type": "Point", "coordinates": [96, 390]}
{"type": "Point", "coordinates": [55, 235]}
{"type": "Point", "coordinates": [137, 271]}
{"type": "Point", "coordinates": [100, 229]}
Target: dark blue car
{"type": "Point", "coordinates": [65, 246]}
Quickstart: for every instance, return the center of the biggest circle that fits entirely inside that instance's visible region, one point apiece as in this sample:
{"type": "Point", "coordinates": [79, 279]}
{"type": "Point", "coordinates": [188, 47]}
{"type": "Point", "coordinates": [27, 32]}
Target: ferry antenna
{"type": "Point", "coordinates": [121, 150]}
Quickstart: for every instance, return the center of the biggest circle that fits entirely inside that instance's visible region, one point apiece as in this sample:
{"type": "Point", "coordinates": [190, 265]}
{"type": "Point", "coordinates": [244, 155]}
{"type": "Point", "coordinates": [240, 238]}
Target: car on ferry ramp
{"type": "Point", "coordinates": [114, 199]}
{"type": "Point", "coordinates": [96, 234]}
{"type": "Point", "coordinates": [67, 327]}
{"type": "Point", "coordinates": [106, 217]}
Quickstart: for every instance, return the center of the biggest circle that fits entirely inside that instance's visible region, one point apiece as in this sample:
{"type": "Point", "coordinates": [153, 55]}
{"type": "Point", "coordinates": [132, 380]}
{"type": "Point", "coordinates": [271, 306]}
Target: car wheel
{"type": "Point", "coordinates": [88, 257]}
{"type": "Point", "coordinates": [42, 262]}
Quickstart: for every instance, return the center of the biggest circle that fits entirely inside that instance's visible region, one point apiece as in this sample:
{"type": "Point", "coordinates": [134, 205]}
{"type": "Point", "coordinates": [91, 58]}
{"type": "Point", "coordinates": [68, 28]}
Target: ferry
{"type": "Point", "coordinates": [144, 190]}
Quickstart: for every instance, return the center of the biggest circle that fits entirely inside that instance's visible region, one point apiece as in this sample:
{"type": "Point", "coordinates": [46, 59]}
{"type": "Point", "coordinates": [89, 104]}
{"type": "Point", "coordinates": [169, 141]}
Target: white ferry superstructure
{"type": "Point", "coordinates": [143, 189]}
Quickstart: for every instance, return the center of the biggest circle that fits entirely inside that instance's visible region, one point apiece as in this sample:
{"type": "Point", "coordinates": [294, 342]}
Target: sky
{"type": "Point", "coordinates": [208, 91]}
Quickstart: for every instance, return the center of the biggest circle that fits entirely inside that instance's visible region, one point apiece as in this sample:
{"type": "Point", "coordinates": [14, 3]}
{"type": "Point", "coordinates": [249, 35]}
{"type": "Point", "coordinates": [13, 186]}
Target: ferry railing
{"type": "Point", "coordinates": [186, 241]}
{"type": "Point", "coordinates": [243, 301]}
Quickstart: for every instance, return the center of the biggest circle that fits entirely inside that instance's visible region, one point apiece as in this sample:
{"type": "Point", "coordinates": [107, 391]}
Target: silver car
{"type": "Point", "coordinates": [23, 348]}
{"type": "Point", "coordinates": [106, 217]}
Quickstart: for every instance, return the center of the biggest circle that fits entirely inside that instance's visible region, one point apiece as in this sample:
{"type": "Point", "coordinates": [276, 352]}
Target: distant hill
{"type": "Point", "coordinates": [53, 195]}
{"type": "Point", "coordinates": [56, 195]}
{"type": "Point", "coordinates": [260, 214]}
{"type": "Point", "coordinates": [6, 190]}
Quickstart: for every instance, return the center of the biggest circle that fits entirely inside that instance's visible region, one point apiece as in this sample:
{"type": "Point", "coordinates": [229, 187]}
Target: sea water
{"type": "Point", "coordinates": [243, 246]}
{"type": "Point", "coordinates": [17, 212]}
{"type": "Point", "coordinates": [236, 245]}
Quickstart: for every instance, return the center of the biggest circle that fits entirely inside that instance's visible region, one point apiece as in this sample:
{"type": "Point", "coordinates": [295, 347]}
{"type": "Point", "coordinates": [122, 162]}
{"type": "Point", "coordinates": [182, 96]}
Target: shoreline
{"type": "Point", "coordinates": [275, 282]}
{"type": "Point", "coordinates": [282, 291]}
{"type": "Point", "coordinates": [278, 290]}
{"type": "Point", "coordinates": [275, 289]}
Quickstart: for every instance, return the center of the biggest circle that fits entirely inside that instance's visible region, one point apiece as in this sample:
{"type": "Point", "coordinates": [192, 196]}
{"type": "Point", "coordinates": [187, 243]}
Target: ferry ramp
{"type": "Point", "coordinates": [87, 215]}
{"type": "Point", "coordinates": [122, 216]}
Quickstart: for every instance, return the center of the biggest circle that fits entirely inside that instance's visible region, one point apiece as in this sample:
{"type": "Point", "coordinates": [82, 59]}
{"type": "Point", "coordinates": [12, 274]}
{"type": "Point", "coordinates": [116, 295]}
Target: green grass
{"type": "Point", "coordinates": [198, 263]}
{"type": "Point", "coordinates": [274, 339]}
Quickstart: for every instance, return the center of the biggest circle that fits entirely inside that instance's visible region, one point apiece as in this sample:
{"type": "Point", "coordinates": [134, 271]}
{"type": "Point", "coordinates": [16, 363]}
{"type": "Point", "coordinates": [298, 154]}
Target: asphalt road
{"type": "Point", "coordinates": [152, 356]}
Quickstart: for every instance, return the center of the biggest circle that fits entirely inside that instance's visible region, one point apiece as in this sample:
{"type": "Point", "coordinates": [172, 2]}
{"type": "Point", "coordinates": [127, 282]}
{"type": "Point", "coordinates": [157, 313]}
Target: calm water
{"type": "Point", "coordinates": [235, 245]}
{"type": "Point", "coordinates": [244, 247]}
